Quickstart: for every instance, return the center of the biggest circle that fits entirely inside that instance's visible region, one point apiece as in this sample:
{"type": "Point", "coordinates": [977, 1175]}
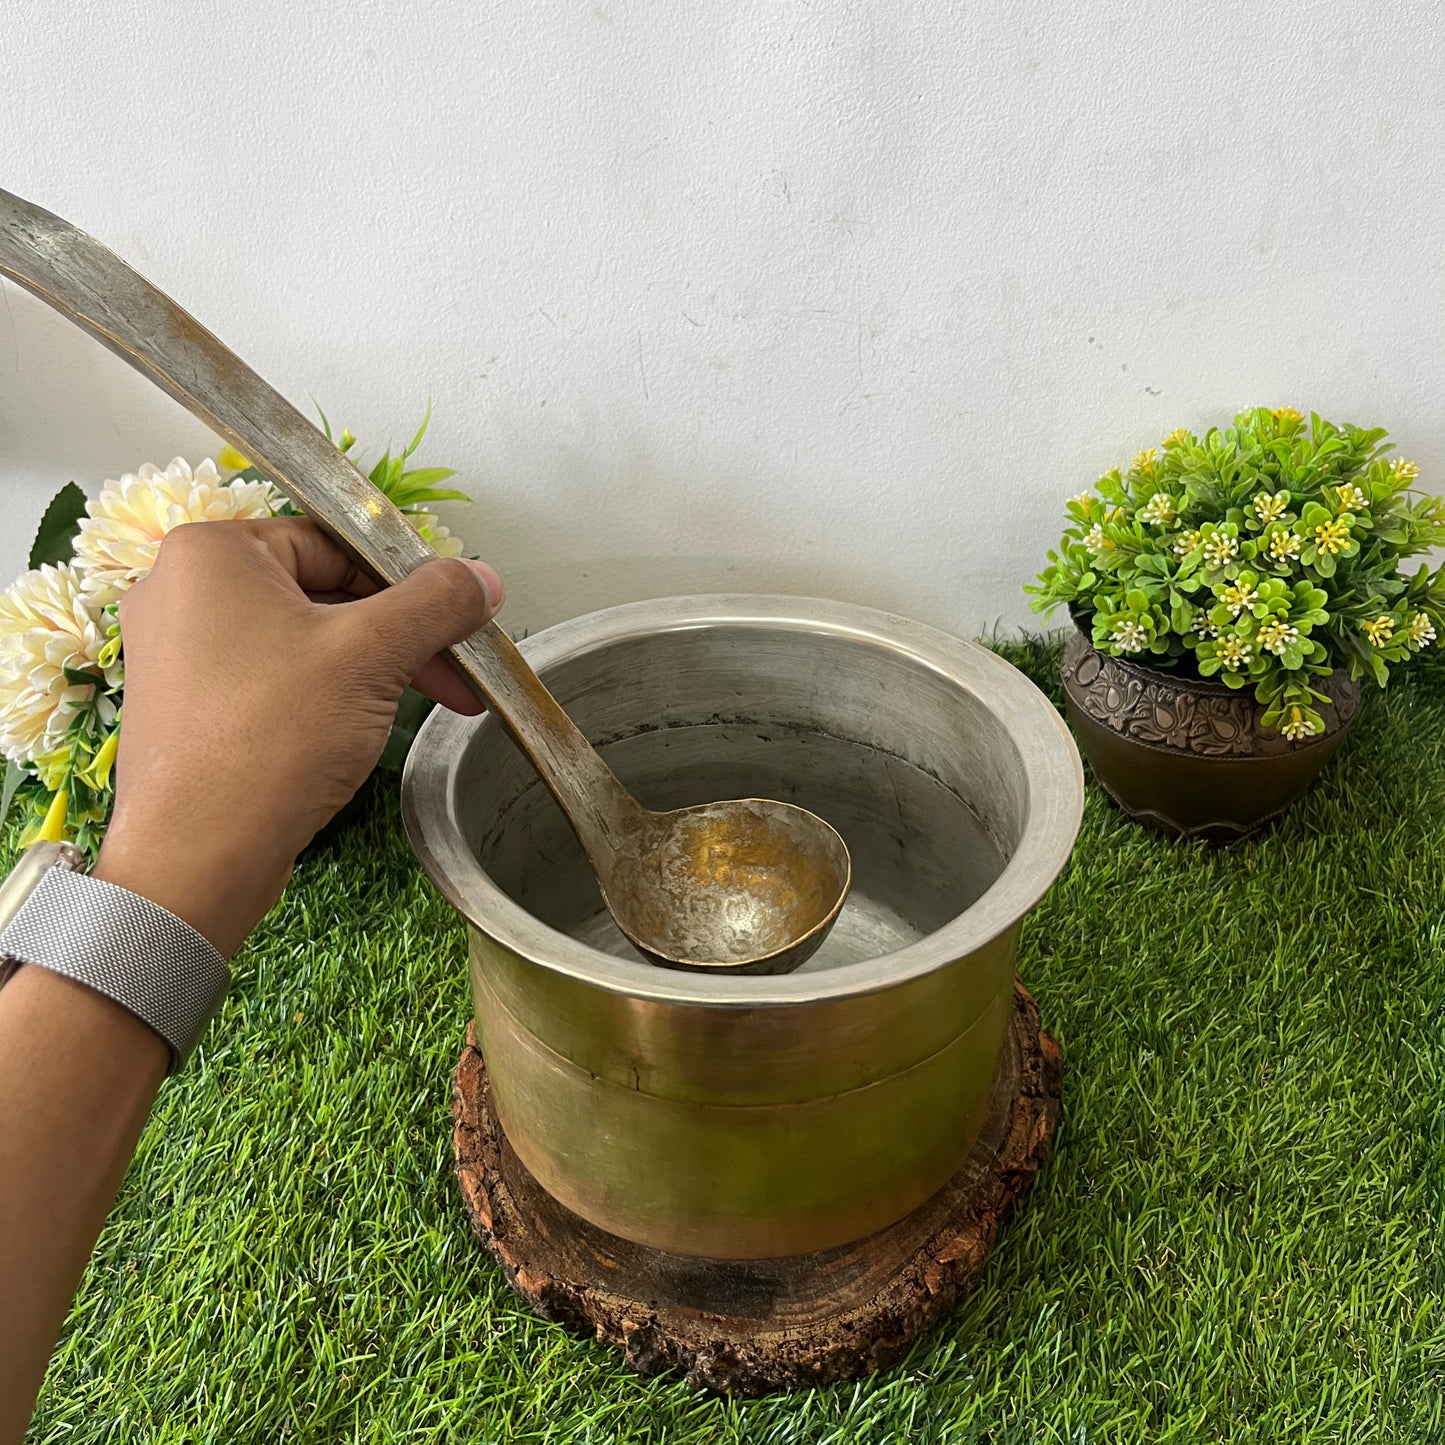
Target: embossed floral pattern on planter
{"type": "Point", "coordinates": [1188, 755]}
{"type": "Point", "coordinates": [1185, 714]}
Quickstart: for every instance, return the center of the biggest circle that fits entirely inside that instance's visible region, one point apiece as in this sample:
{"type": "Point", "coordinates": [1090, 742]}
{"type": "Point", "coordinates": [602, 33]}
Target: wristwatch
{"type": "Point", "coordinates": [54, 915]}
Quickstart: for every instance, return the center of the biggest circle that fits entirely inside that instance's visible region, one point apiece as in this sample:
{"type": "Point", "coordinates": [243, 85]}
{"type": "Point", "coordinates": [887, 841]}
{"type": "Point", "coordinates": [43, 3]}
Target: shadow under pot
{"type": "Point", "coordinates": [1188, 755]}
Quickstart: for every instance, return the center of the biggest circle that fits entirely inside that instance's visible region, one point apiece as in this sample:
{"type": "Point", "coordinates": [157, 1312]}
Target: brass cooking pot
{"type": "Point", "coordinates": [748, 1117]}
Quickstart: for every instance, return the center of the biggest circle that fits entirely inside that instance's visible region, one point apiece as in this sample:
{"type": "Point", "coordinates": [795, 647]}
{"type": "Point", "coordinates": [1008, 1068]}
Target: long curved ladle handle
{"type": "Point", "coordinates": [88, 283]}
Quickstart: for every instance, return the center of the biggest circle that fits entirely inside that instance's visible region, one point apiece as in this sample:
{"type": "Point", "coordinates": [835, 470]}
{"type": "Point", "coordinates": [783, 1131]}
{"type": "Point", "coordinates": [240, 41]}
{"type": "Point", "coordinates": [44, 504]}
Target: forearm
{"type": "Point", "coordinates": [78, 1076]}
{"type": "Point", "coordinates": [251, 715]}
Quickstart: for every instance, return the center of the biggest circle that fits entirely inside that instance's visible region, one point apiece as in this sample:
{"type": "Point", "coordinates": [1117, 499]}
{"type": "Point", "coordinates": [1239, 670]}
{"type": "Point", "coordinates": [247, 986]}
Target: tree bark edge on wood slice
{"type": "Point", "coordinates": [747, 1327]}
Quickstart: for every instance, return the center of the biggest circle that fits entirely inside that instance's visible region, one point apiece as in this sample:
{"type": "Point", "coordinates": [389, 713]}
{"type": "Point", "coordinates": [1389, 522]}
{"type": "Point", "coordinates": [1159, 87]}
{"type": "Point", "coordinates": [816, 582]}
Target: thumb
{"type": "Point", "coordinates": [427, 612]}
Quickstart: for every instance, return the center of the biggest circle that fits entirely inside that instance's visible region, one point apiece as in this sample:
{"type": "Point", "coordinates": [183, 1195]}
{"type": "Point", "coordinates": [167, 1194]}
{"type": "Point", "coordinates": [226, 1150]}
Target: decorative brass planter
{"type": "Point", "coordinates": [1188, 755]}
{"type": "Point", "coordinates": [748, 1117]}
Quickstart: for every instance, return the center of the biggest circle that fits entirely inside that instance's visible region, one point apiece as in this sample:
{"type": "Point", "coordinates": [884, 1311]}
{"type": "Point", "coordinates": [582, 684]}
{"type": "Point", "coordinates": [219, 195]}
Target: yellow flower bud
{"type": "Point", "coordinates": [232, 460]}
{"type": "Point", "coordinates": [103, 761]}
{"type": "Point", "coordinates": [52, 827]}
{"type": "Point", "coordinates": [53, 767]}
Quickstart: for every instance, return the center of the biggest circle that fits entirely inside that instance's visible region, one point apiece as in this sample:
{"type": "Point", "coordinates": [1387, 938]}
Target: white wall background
{"type": "Point", "coordinates": [829, 296]}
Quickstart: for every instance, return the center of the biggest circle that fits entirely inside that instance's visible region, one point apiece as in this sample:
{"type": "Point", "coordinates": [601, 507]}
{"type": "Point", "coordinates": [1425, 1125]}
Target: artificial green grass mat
{"type": "Point", "coordinates": [1237, 1239]}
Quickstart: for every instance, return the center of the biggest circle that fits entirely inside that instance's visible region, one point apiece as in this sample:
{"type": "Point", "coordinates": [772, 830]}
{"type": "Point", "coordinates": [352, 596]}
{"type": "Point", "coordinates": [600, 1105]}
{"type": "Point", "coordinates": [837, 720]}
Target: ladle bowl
{"type": "Point", "coordinates": [746, 886]}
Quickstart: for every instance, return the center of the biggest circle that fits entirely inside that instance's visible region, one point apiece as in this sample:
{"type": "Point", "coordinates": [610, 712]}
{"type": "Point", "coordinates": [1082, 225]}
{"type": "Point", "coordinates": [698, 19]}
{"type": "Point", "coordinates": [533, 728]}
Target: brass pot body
{"type": "Point", "coordinates": [752, 1116]}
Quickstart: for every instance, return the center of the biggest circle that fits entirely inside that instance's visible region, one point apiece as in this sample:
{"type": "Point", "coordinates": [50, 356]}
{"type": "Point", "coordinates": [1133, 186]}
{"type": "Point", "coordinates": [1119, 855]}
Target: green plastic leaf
{"type": "Point", "coordinates": [76, 678]}
{"type": "Point", "coordinates": [427, 476]}
{"type": "Point", "coordinates": [420, 431]}
{"type": "Point", "coordinates": [394, 754]}
{"type": "Point", "coordinates": [55, 538]}
{"type": "Point", "coordinates": [406, 494]}
{"type": "Point", "coordinates": [411, 713]}
{"type": "Point", "coordinates": [380, 468]}
{"type": "Point", "coordinates": [14, 776]}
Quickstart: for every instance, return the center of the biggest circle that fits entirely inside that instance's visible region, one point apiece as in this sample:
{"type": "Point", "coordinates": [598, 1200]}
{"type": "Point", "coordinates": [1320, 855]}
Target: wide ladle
{"type": "Point", "coordinates": [748, 886]}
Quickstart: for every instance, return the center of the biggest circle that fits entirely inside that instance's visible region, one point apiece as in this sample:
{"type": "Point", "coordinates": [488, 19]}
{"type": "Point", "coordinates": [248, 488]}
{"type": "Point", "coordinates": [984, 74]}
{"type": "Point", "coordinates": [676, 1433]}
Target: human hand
{"type": "Point", "coordinates": [252, 714]}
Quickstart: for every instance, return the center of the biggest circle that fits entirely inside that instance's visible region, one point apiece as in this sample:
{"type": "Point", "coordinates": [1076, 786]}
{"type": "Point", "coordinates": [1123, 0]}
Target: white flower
{"type": "Point", "coordinates": [1284, 546]}
{"type": "Point", "coordinates": [1296, 725]}
{"type": "Point", "coordinates": [46, 626]}
{"type": "Point", "coordinates": [1185, 543]}
{"type": "Point", "coordinates": [1401, 470]}
{"type": "Point", "coordinates": [1219, 549]}
{"type": "Point", "coordinates": [1203, 624]}
{"type": "Point", "coordinates": [1234, 653]}
{"type": "Point", "coordinates": [1083, 499]}
{"type": "Point", "coordinates": [1095, 540]}
{"type": "Point", "coordinates": [125, 524]}
{"type": "Point", "coordinates": [1276, 636]}
{"type": "Point", "coordinates": [1237, 598]}
{"type": "Point", "coordinates": [1421, 632]}
{"type": "Point", "coordinates": [1268, 506]}
{"type": "Point", "coordinates": [1159, 509]}
{"type": "Point", "coordinates": [1352, 499]}
{"type": "Point", "coordinates": [1130, 636]}
{"type": "Point", "coordinates": [440, 538]}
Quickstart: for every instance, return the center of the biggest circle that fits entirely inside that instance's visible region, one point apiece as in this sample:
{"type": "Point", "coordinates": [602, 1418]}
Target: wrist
{"type": "Point", "coordinates": [125, 946]}
{"type": "Point", "coordinates": [218, 891]}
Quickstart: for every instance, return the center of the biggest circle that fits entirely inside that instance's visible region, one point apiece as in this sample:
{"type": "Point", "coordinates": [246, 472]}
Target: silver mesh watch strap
{"type": "Point", "coordinates": [122, 945]}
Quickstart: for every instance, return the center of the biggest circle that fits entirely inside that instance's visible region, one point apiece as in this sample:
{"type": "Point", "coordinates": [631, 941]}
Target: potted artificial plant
{"type": "Point", "coordinates": [1230, 592]}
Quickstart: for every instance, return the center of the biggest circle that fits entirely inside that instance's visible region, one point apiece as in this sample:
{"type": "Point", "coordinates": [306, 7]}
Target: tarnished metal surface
{"type": "Point", "coordinates": [747, 886]}
{"type": "Point", "coordinates": [781, 1178]}
{"type": "Point", "coordinates": [755, 1116]}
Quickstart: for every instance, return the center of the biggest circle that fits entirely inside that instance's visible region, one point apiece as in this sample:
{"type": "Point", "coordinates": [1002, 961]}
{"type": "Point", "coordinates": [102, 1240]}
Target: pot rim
{"type": "Point", "coordinates": [1053, 773]}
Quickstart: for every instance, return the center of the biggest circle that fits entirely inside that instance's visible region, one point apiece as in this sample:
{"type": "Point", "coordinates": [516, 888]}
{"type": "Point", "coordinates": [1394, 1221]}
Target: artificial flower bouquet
{"type": "Point", "coordinates": [1264, 555]}
{"type": "Point", "coordinates": [62, 656]}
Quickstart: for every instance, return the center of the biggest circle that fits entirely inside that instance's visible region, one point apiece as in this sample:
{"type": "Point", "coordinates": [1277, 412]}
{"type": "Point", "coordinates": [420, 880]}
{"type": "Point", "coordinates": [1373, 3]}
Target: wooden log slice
{"type": "Point", "coordinates": [750, 1326]}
